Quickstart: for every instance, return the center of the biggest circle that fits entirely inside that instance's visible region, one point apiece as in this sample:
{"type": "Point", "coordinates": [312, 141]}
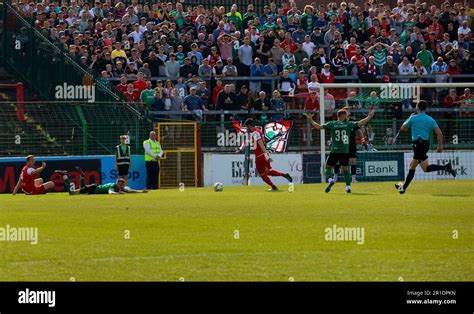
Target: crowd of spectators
{"type": "Point", "coordinates": [201, 50]}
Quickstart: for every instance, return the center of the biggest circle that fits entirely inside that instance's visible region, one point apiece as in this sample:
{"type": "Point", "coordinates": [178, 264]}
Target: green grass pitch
{"type": "Point", "coordinates": [191, 235]}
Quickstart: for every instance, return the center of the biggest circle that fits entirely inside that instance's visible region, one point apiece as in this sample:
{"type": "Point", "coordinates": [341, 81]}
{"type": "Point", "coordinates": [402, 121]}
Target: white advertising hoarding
{"type": "Point", "coordinates": [462, 162]}
{"type": "Point", "coordinates": [229, 168]}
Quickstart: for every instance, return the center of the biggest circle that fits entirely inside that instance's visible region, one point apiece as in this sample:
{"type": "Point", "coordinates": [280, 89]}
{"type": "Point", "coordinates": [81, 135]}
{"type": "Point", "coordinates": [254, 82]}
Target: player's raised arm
{"type": "Point", "coordinates": [366, 119]}
{"type": "Point", "coordinates": [316, 125]}
{"type": "Point", "coordinates": [439, 136]}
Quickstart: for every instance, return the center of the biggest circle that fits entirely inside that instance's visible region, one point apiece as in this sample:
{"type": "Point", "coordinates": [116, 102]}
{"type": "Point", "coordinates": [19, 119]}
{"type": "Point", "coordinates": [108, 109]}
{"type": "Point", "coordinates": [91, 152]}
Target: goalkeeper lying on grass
{"type": "Point", "coordinates": [108, 188]}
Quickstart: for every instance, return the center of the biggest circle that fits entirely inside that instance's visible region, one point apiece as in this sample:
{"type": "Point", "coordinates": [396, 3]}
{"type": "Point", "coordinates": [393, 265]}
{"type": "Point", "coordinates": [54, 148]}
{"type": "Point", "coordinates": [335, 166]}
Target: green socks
{"type": "Point", "coordinates": [347, 178]}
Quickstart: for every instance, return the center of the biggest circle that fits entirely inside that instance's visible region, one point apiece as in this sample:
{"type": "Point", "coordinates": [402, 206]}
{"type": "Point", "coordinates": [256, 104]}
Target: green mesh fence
{"type": "Point", "coordinates": [69, 128]}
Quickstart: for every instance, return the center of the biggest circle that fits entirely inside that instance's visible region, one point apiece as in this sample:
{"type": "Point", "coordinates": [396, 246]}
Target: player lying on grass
{"type": "Point", "coordinates": [107, 188]}
{"type": "Point", "coordinates": [29, 180]}
{"type": "Point", "coordinates": [340, 133]}
{"type": "Point", "coordinates": [421, 126]}
{"type": "Point", "coordinates": [262, 157]}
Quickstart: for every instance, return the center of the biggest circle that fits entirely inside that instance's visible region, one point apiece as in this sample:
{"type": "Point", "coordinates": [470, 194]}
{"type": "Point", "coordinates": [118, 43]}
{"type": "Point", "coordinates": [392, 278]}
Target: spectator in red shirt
{"type": "Point", "coordinates": [326, 75]}
{"type": "Point", "coordinates": [140, 84]}
{"type": "Point", "coordinates": [312, 102]}
{"type": "Point", "coordinates": [123, 86]}
{"type": "Point", "coordinates": [131, 95]}
{"type": "Point", "coordinates": [351, 48]}
{"type": "Point", "coordinates": [216, 90]}
{"type": "Point", "coordinates": [453, 68]}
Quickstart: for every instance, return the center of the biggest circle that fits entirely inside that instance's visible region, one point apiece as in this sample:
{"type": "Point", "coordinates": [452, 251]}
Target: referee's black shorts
{"type": "Point", "coordinates": [420, 150]}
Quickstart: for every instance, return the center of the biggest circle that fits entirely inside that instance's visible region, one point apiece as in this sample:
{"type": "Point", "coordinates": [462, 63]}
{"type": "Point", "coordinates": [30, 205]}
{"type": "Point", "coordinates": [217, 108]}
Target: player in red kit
{"type": "Point", "coordinates": [262, 157]}
{"type": "Point", "coordinates": [29, 180]}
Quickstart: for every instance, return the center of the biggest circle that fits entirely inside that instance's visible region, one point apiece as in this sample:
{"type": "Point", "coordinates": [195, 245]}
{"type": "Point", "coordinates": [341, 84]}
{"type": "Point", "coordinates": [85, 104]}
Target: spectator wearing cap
{"type": "Point", "coordinates": [130, 70]}
{"type": "Point", "coordinates": [213, 57]}
{"type": "Point", "coordinates": [118, 70]}
{"type": "Point", "coordinates": [230, 70]}
{"type": "Point", "coordinates": [326, 76]}
{"type": "Point", "coordinates": [217, 70]}
{"type": "Point", "coordinates": [453, 68]}
{"type": "Point", "coordinates": [194, 103]}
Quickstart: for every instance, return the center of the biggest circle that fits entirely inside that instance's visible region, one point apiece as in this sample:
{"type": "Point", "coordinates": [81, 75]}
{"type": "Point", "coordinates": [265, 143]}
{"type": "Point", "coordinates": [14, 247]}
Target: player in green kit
{"type": "Point", "coordinates": [107, 188]}
{"type": "Point", "coordinates": [340, 144]}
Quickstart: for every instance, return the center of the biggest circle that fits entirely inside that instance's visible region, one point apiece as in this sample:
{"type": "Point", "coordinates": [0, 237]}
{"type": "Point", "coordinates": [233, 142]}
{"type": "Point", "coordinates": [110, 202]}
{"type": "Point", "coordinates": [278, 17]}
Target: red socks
{"type": "Point", "coordinates": [275, 173]}
{"type": "Point", "coordinates": [267, 180]}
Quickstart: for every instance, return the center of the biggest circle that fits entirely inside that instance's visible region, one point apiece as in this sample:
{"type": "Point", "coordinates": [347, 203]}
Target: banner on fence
{"type": "Point", "coordinates": [98, 169]}
{"type": "Point", "coordinates": [229, 168]}
{"type": "Point", "coordinates": [371, 166]}
{"type": "Point", "coordinates": [462, 162]}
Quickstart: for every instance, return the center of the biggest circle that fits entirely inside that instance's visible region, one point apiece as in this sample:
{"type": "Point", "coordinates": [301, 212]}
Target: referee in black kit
{"type": "Point", "coordinates": [123, 158]}
{"type": "Point", "coordinates": [421, 126]}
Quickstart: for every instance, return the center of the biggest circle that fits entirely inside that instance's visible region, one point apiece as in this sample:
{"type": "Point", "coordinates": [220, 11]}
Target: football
{"type": "Point", "coordinates": [218, 187]}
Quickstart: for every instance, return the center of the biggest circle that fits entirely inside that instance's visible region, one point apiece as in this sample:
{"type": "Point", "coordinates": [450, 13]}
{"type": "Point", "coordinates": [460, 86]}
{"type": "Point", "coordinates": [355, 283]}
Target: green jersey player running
{"type": "Point", "coordinates": [340, 144]}
{"type": "Point", "coordinates": [107, 188]}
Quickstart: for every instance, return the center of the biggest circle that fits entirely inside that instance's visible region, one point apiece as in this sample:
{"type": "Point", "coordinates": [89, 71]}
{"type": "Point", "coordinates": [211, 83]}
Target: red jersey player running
{"type": "Point", "coordinates": [262, 158]}
{"type": "Point", "coordinates": [29, 180]}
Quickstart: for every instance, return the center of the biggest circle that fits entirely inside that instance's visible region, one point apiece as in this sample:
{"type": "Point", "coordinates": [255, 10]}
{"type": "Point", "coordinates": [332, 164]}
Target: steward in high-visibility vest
{"type": "Point", "coordinates": [153, 153]}
{"type": "Point", "coordinates": [123, 158]}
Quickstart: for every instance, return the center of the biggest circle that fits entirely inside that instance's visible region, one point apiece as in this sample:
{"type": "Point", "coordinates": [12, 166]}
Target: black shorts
{"type": "Point", "coordinates": [88, 189]}
{"type": "Point", "coordinates": [420, 149]}
{"type": "Point", "coordinates": [123, 170]}
{"type": "Point", "coordinates": [352, 151]}
{"type": "Point", "coordinates": [332, 160]}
